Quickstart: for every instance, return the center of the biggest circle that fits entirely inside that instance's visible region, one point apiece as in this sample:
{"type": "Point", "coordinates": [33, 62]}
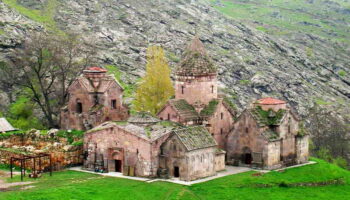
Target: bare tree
{"type": "Point", "coordinates": [47, 65]}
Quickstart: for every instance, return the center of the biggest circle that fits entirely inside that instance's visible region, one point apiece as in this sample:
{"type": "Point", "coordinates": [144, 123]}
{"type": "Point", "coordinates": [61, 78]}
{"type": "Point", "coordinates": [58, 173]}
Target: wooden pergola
{"type": "Point", "coordinates": [23, 160]}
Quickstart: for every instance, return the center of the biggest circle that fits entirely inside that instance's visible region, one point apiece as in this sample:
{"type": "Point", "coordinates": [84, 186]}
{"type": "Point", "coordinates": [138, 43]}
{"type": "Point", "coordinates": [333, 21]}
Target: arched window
{"type": "Point", "coordinates": [222, 115]}
{"type": "Point", "coordinates": [169, 116]}
{"type": "Point", "coordinates": [246, 129]}
{"type": "Point", "coordinates": [79, 106]}
{"type": "Point", "coordinates": [182, 89]}
{"type": "Point", "coordinates": [212, 89]}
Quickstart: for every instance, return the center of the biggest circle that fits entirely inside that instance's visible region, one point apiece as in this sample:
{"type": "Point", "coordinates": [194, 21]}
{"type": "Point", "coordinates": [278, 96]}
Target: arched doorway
{"type": "Point", "coordinates": [247, 156]}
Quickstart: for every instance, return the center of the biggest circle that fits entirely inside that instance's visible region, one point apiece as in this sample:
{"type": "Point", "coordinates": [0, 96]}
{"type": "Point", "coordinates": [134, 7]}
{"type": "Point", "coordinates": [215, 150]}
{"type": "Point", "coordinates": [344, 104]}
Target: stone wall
{"type": "Point", "coordinates": [220, 124]}
{"type": "Point", "coordinates": [202, 89]}
{"type": "Point", "coordinates": [63, 154]}
{"type": "Point", "coordinates": [117, 144]}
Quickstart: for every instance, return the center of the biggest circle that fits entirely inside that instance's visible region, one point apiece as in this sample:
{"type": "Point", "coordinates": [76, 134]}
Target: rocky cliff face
{"type": "Point", "coordinates": [251, 63]}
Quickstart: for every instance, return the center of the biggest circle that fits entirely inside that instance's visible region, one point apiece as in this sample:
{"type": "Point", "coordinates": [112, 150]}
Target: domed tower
{"type": "Point", "coordinates": [196, 76]}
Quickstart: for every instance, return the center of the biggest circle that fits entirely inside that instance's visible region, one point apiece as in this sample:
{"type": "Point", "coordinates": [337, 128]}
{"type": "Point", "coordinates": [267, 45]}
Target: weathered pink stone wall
{"type": "Point", "coordinates": [196, 89]}
{"type": "Point", "coordinates": [220, 124]}
{"type": "Point", "coordinates": [135, 151]}
{"type": "Point", "coordinates": [71, 119]}
{"type": "Point", "coordinates": [192, 164]}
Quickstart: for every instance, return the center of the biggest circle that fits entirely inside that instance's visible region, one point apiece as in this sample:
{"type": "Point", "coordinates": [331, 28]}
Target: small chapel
{"type": "Point", "coordinates": [193, 136]}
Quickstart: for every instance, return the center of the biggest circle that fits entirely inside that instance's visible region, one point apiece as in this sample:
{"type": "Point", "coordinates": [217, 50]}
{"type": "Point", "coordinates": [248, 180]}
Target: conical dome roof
{"type": "Point", "coordinates": [195, 61]}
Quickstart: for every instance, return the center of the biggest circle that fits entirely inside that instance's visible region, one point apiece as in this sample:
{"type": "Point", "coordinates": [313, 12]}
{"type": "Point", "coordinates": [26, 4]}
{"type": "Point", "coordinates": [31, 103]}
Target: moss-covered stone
{"type": "Point", "coordinates": [268, 117]}
{"type": "Point", "coordinates": [210, 108]}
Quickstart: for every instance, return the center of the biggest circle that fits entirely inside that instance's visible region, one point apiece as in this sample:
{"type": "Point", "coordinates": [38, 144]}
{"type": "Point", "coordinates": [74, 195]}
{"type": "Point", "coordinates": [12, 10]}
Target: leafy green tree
{"type": "Point", "coordinates": [155, 88]}
{"type": "Point", "coordinates": [21, 115]}
{"type": "Point", "coordinates": [341, 162]}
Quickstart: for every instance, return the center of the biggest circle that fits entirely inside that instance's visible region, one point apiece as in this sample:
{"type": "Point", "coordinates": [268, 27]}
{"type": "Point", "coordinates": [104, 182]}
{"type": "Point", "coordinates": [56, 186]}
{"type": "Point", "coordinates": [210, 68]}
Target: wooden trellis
{"type": "Point", "coordinates": [23, 160]}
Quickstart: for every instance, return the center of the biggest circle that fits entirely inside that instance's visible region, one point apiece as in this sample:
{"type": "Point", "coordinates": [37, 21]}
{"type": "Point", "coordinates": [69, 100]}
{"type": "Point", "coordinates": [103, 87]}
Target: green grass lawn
{"type": "Point", "coordinates": [77, 185]}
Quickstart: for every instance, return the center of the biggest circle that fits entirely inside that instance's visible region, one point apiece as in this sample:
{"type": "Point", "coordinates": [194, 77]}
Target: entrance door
{"type": "Point", "coordinates": [248, 158]}
{"type": "Point", "coordinates": [118, 165]}
{"type": "Point", "coordinates": [176, 172]}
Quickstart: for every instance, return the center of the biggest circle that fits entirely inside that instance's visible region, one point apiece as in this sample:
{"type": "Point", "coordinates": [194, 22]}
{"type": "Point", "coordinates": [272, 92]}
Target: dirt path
{"type": "Point", "coordinates": [6, 186]}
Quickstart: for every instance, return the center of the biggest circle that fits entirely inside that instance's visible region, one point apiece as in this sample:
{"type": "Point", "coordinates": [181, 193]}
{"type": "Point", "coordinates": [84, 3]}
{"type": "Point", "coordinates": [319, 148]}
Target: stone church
{"type": "Point", "coordinates": [94, 97]}
{"type": "Point", "coordinates": [196, 95]}
{"type": "Point", "coordinates": [193, 136]}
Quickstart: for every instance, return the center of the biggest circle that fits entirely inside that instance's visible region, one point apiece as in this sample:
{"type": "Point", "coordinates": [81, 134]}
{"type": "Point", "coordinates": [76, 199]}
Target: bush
{"type": "Point", "coordinates": [341, 162]}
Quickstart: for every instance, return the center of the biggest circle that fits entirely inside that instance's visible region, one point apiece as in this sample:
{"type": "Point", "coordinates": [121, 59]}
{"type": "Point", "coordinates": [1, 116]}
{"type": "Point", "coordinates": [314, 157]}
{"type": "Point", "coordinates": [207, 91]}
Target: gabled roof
{"type": "Point", "coordinates": [95, 69]}
{"type": "Point", "coordinates": [184, 109]}
{"type": "Point", "coordinates": [267, 118]}
{"type": "Point", "coordinates": [106, 82]}
{"type": "Point", "coordinates": [5, 126]}
{"type": "Point", "coordinates": [143, 118]}
{"type": "Point", "coordinates": [196, 137]}
{"type": "Point", "coordinates": [149, 133]}
{"type": "Point", "coordinates": [270, 101]}
{"type": "Point", "coordinates": [195, 61]}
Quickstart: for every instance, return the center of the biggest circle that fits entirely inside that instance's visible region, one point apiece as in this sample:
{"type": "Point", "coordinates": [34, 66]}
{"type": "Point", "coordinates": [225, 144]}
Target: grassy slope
{"type": "Point", "coordinates": [285, 16]}
{"type": "Point", "coordinates": [76, 185]}
{"type": "Point", "coordinates": [44, 16]}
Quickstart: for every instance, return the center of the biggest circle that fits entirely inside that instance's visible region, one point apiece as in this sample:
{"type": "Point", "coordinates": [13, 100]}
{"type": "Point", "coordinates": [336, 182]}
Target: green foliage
{"type": "Point", "coordinates": [244, 82]}
{"type": "Point", "coordinates": [78, 143]}
{"type": "Point", "coordinates": [341, 162]}
{"type": "Point", "coordinates": [21, 115]}
{"type": "Point", "coordinates": [321, 102]}
{"type": "Point", "coordinates": [309, 52]}
{"type": "Point", "coordinates": [10, 133]}
{"type": "Point", "coordinates": [229, 102]}
{"type": "Point", "coordinates": [128, 88]}
{"type": "Point", "coordinates": [324, 154]}
{"type": "Point", "coordinates": [269, 117]}
{"type": "Point", "coordinates": [71, 135]}
{"type": "Point", "coordinates": [155, 88]}
{"type": "Point", "coordinates": [244, 186]}
{"type": "Point", "coordinates": [261, 28]}
{"type": "Point", "coordinates": [210, 108]}
{"type": "Point", "coordinates": [342, 73]}
{"type": "Point", "coordinates": [44, 16]}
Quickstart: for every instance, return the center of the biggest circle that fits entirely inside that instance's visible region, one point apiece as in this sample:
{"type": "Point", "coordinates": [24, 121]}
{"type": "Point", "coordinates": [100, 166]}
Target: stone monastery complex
{"type": "Point", "coordinates": [194, 136]}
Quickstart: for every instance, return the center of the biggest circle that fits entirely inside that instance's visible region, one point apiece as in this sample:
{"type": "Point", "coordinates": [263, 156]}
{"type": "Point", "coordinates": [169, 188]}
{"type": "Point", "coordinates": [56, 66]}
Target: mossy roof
{"type": "Point", "coordinates": [143, 118]}
{"type": "Point", "coordinates": [196, 137]}
{"type": "Point", "coordinates": [269, 117]}
{"type": "Point", "coordinates": [271, 135]}
{"type": "Point", "coordinates": [209, 109]}
{"type": "Point", "coordinates": [195, 61]}
{"type": "Point", "coordinates": [184, 109]}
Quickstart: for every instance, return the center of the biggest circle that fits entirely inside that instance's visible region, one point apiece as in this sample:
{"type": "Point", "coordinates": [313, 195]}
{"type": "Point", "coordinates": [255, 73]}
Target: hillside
{"type": "Point", "coordinates": [303, 67]}
{"type": "Point", "coordinates": [320, 181]}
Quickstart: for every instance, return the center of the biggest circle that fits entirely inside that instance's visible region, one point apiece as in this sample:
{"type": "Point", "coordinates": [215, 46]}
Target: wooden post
{"type": "Point", "coordinates": [24, 166]}
{"type": "Point", "coordinates": [50, 165]}
{"type": "Point", "coordinates": [21, 169]}
{"type": "Point", "coordinates": [11, 165]}
{"type": "Point", "coordinates": [34, 170]}
{"type": "Point", "coordinates": [40, 164]}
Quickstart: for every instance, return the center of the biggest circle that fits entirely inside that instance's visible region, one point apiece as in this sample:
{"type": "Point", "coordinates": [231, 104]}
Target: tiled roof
{"type": "Point", "coordinates": [270, 101]}
{"type": "Point", "coordinates": [195, 61]}
{"type": "Point", "coordinates": [196, 137]}
{"type": "Point", "coordinates": [95, 69]}
{"type": "Point", "coordinates": [143, 118]}
{"type": "Point", "coordinates": [184, 109]}
{"type": "Point", "coordinates": [5, 126]}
